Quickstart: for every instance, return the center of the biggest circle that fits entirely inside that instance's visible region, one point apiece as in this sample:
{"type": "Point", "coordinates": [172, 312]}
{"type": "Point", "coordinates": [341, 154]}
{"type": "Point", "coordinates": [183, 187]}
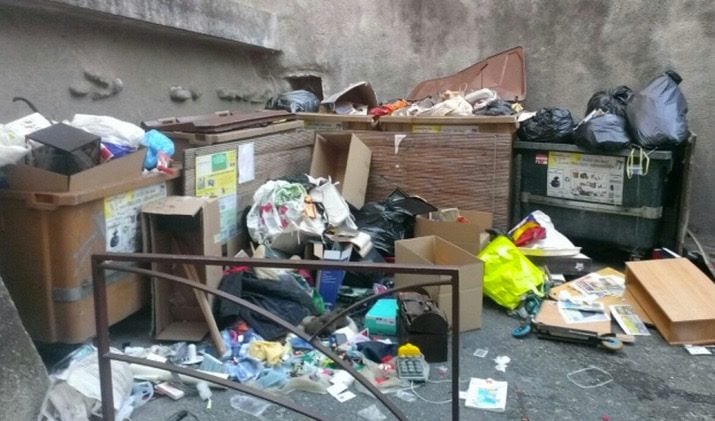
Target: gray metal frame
{"type": "Point", "coordinates": [110, 261]}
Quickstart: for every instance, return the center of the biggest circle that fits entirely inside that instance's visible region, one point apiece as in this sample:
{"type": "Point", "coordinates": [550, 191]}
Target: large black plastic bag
{"type": "Point", "coordinates": [548, 125]}
{"type": "Point", "coordinates": [613, 101]}
{"type": "Point", "coordinates": [602, 132]}
{"type": "Point", "coordinates": [295, 102]}
{"type": "Point", "coordinates": [657, 115]}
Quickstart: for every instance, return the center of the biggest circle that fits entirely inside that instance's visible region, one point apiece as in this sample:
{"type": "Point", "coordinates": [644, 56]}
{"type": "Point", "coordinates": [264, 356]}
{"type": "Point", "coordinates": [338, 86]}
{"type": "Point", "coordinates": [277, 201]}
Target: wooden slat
{"type": "Point", "coordinates": [677, 296]}
{"type": "Point", "coordinates": [468, 171]}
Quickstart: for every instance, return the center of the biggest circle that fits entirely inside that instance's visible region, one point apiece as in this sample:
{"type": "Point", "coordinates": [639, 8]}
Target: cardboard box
{"type": "Point", "coordinates": [346, 159]}
{"type": "Point", "coordinates": [466, 235]}
{"type": "Point", "coordinates": [381, 319]}
{"type": "Point", "coordinates": [181, 225]}
{"type": "Point", "coordinates": [677, 297]}
{"type": "Point", "coordinates": [329, 282]}
{"type": "Point", "coordinates": [437, 251]}
{"type": "Point", "coordinates": [26, 177]}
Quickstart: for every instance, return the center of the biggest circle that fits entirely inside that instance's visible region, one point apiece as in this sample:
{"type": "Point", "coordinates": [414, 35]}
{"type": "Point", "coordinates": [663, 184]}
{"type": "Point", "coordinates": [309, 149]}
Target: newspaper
{"type": "Point", "coordinates": [600, 285]}
{"type": "Point", "coordinates": [596, 307]}
{"type": "Point", "coordinates": [579, 316]}
{"type": "Point", "coordinates": [628, 320]}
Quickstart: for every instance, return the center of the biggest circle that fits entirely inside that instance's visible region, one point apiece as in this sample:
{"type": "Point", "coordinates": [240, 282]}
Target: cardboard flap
{"type": "Point", "coordinates": [357, 93]}
{"type": "Point", "coordinates": [504, 72]}
{"type": "Point", "coordinates": [175, 205]}
{"type": "Point", "coordinates": [357, 172]}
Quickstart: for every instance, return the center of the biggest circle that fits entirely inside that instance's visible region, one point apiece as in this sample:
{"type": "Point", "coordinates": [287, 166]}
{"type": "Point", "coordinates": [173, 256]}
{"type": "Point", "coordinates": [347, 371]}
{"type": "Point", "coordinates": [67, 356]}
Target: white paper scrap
{"type": "Point", "coordinates": [697, 350]}
{"type": "Point", "coordinates": [246, 163]}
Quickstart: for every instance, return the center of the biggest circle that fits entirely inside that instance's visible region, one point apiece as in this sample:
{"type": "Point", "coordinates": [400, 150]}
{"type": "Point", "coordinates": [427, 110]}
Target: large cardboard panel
{"type": "Point", "coordinates": [346, 159]}
{"type": "Point", "coordinates": [677, 296]}
{"type": "Point", "coordinates": [191, 224]}
{"type": "Point", "coordinates": [25, 177]}
{"type": "Point", "coordinates": [437, 251]}
{"type": "Point", "coordinates": [463, 234]}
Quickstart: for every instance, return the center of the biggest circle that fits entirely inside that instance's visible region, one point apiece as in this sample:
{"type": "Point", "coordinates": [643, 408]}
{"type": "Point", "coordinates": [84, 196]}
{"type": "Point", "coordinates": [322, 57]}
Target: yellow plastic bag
{"type": "Point", "coordinates": [508, 274]}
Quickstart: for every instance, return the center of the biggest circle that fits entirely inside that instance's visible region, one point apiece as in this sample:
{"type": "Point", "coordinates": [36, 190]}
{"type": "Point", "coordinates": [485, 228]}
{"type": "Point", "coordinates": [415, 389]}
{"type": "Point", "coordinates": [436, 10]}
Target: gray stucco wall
{"type": "Point", "coordinates": [573, 48]}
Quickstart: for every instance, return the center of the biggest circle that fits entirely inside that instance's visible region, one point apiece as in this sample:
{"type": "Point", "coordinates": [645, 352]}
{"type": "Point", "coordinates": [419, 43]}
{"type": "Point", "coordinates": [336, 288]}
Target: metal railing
{"type": "Point", "coordinates": [112, 261]}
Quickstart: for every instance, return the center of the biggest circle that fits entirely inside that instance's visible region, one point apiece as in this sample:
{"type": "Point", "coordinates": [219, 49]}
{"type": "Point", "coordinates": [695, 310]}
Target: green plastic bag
{"type": "Point", "coordinates": [508, 274]}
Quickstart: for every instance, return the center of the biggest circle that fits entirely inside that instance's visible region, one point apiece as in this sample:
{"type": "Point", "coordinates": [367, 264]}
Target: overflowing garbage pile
{"type": "Point", "coordinates": [618, 118]}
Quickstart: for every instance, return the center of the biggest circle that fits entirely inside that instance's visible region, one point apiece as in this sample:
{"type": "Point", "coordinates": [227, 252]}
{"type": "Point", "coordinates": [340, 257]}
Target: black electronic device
{"type": "Point", "coordinates": [423, 324]}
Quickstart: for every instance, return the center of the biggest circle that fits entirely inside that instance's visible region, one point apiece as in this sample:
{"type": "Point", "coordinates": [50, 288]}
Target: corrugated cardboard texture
{"type": "Point", "coordinates": [466, 171]}
{"type": "Point", "coordinates": [346, 160]}
{"type": "Point", "coordinates": [434, 250]}
{"type": "Point", "coordinates": [463, 234]}
{"type": "Point", "coordinates": [677, 296]}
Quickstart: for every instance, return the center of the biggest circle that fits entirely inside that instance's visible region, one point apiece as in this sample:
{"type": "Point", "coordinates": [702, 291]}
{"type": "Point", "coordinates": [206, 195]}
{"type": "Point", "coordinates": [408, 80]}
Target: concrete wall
{"type": "Point", "coordinates": [573, 48]}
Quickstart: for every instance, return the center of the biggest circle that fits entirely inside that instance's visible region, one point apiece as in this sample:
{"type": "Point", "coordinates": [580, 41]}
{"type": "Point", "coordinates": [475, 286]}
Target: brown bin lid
{"type": "Point", "coordinates": [504, 72]}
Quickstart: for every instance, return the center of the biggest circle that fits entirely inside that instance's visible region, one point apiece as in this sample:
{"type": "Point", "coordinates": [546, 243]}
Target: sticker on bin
{"type": "Point", "coordinates": [590, 178]}
{"type": "Point", "coordinates": [541, 159]}
{"type": "Point", "coordinates": [121, 217]}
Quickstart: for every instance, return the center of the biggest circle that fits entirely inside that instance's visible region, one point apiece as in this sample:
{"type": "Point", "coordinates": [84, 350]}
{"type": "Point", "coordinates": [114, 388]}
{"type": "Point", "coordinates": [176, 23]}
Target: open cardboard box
{"type": "Point", "coordinates": [190, 224]}
{"type": "Point", "coordinates": [437, 251]}
{"type": "Point", "coordinates": [346, 160]}
{"type": "Point", "coordinates": [467, 235]}
{"type": "Point", "coordinates": [26, 177]}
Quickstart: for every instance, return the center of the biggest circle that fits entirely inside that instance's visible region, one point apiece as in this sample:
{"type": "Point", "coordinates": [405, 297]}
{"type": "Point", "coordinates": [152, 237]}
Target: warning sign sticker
{"type": "Point", "coordinates": [591, 178]}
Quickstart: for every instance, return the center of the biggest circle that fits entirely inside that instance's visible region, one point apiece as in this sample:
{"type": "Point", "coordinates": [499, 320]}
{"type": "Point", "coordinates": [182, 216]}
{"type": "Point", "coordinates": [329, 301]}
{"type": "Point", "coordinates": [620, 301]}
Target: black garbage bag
{"type": "Point", "coordinates": [602, 132]}
{"type": "Point", "coordinates": [495, 108]}
{"type": "Point", "coordinates": [548, 125]}
{"type": "Point", "coordinates": [390, 220]}
{"type": "Point", "coordinates": [295, 102]}
{"type": "Point", "coordinates": [657, 115]}
{"type": "Point", "coordinates": [283, 298]}
{"type": "Point", "coordinates": [612, 101]}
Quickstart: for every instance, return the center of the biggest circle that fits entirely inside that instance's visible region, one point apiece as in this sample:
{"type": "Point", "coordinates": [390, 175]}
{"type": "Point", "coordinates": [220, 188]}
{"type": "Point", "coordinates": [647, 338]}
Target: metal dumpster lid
{"type": "Point", "coordinates": [504, 72]}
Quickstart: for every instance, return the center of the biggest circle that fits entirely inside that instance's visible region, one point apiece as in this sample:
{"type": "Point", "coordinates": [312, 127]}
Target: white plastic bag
{"type": "Point", "coordinates": [277, 217]}
{"type": "Point", "coordinates": [12, 137]}
{"type": "Point", "coordinates": [110, 129]}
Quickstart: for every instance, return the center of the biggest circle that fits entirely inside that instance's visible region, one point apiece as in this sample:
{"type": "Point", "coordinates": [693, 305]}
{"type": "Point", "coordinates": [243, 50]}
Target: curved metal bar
{"type": "Point", "coordinates": [278, 400]}
{"type": "Point", "coordinates": [314, 342]}
{"type": "Point", "coordinates": [348, 309]}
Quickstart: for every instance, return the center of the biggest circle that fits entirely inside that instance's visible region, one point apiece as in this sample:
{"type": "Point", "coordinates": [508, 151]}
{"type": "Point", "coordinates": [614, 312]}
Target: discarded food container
{"type": "Point", "coordinates": [48, 241]}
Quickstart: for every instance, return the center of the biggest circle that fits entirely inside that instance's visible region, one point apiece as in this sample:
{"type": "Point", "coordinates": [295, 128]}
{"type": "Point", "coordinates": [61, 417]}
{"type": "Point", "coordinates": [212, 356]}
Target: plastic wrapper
{"type": "Point", "coordinates": [657, 115]}
{"type": "Point", "coordinates": [508, 274]}
{"type": "Point", "coordinates": [294, 102]}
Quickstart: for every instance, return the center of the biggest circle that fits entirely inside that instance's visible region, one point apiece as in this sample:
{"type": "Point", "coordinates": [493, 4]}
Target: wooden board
{"type": "Point", "coordinates": [466, 171]}
{"type": "Point", "coordinates": [549, 315]}
{"type": "Point", "coordinates": [205, 139]}
{"type": "Point", "coordinates": [677, 296]}
{"type": "Point", "coordinates": [626, 299]}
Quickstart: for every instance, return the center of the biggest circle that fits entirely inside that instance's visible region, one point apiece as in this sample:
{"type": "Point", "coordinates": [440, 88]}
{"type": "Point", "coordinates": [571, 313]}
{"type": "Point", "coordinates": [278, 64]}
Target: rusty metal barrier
{"type": "Point", "coordinates": [112, 261]}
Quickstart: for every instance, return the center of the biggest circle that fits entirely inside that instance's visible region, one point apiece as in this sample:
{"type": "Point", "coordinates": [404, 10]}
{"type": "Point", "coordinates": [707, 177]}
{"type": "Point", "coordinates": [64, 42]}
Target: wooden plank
{"type": "Point", "coordinates": [677, 296]}
{"type": "Point", "coordinates": [549, 315]}
{"type": "Point", "coordinates": [205, 139]}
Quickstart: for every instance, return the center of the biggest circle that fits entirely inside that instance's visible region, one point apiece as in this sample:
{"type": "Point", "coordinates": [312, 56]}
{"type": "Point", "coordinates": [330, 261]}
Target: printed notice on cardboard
{"type": "Point", "coordinates": [216, 177]}
{"type": "Point", "coordinates": [591, 178]}
{"type": "Point", "coordinates": [246, 163]}
{"type": "Point", "coordinates": [121, 217]}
